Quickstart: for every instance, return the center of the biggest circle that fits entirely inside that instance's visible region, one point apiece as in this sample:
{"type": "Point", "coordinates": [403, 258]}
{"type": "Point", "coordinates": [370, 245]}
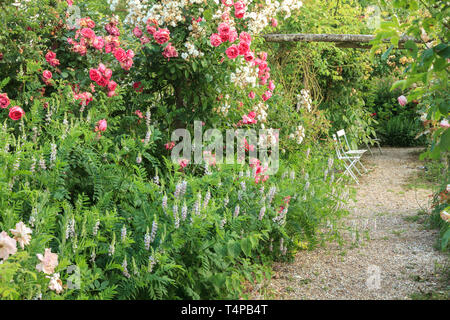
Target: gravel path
{"type": "Point", "coordinates": [394, 255]}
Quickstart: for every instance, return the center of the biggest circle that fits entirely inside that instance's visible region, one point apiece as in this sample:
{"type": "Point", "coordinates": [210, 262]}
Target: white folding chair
{"type": "Point", "coordinates": [348, 160]}
{"type": "Point", "coordinates": [350, 151]}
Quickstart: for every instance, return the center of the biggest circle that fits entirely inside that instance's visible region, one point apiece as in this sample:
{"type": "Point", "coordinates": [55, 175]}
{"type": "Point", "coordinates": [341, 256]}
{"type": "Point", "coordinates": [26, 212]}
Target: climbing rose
{"type": "Point", "coordinates": [215, 40]}
{"type": "Point", "coordinates": [101, 125]}
{"type": "Point", "coordinates": [245, 37]}
{"type": "Point", "coordinates": [251, 95]}
{"type": "Point", "coordinates": [120, 54]}
{"type": "Point", "coordinates": [170, 52]}
{"type": "Point", "coordinates": [162, 36]}
{"type": "Point", "coordinates": [49, 261]}
{"type": "Point", "coordinates": [137, 32]}
{"type": "Point", "coordinates": [22, 234]}
{"type": "Point", "coordinates": [108, 73]}
{"type": "Point", "coordinates": [15, 113]}
{"type": "Point", "coordinates": [47, 75]}
{"type": "Point", "coordinates": [232, 52]}
{"type": "Point", "coordinates": [249, 56]}
{"type": "Point", "coordinates": [95, 75]}
{"type": "Point", "coordinates": [402, 100]}
{"type": "Point", "coordinates": [8, 246]}
{"type": "Point", "coordinates": [112, 85]}
{"type": "Point", "coordinates": [274, 22]}
{"type": "Point", "coordinates": [4, 100]}
{"type": "Point", "coordinates": [224, 29]}
{"type": "Point", "coordinates": [88, 33]}
{"type": "Point", "coordinates": [243, 48]}
{"type": "Point", "coordinates": [102, 82]}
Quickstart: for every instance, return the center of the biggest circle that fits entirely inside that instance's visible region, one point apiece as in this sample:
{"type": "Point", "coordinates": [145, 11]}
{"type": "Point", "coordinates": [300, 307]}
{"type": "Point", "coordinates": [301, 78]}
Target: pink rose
{"type": "Point", "coordinates": [108, 73]}
{"type": "Point", "coordinates": [245, 37]}
{"type": "Point", "coordinates": [170, 51]}
{"type": "Point", "coordinates": [232, 52]}
{"type": "Point", "coordinates": [402, 100]}
{"type": "Point", "coordinates": [243, 48]}
{"type": "Point", "coordinates": [252, 114]}
{"type": "Point", "coordinates": [144, 40]}
{"type": "Point", "coordinates": [239, 14]}
{"type": "Point", "coordinates": [101, 67]}
{"type": "Point", "coordinates": [130, 53]}
{"type": "Point", "coordinates": [274, 22]}
{"type": "Point", "coordinates": [444, 124]}
{"type": "Point", "coordinates": [101, 125]}
{"type": "Point", "coordinates": [47, 75]}
{"type": "Point", "coordinates": [251, 95]}
{"type": "Point", "coordinates": [271, 85]}
{"type": "Point", "coordinates": [8, 246]}
{"type": "Point", "coordinates": [266, 95]}
{"type": "Point", "coordinates": [50, 56]}
{"type": "Point", "coordinates": [102, 82]}
{"type": "Point", "coordinates": [233, 35]}
{"type": "Point", "coordinates": [249, 56]}
{"type": "Point", "coordinates": [120, 54]}
{"type": "Point", "coordinates": [170, 145]}
{"type": "Point", "coordinates": [4, 100]}
{"type": "Point", "coordinates": [49, 261]}
{"type": "Point", "coordinates": [224, 29]}
{"type": "Point", "coordinates": [98, 43]}
{"type": "Point", "coordinates": [112, 85]}
{"type": "Point", "coordinates": [161, 36]}
{"type": "Point", "coordinates": [95, 75]}
{"type": "Point", "coordinates": [88, 33]}
{"type": "Point", "coordinates": [151, 29]}
{"type": "Point", "coordinates": [216, 40]}
{"type": "Point", "coordinates": [111, 94]}
{"type": "Point", "coordinates": [15, 113]}
{"type": "Point", "coordinates": [137, 32]}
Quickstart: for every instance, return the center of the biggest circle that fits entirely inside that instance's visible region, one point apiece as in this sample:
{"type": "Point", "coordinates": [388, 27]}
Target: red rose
{"type": "Point", "coordinates": [120, 54]}
{"type": "Point", "coordinates": [102, 82]}
{"type": "Point", "coordinates": [162, 36]}
{"type": "Point", "coordinates": [47, 75]}
{"type": "Point", "coordinates": [15, 113]}
{"type": "Point", "coordinates": [95, 75]}
{"type": "Point", "coordinates": [243, 48]}
{"type": "Point", "coordinates": [232, 52]}
{"type": "Point", "coordinates": [4, 100]}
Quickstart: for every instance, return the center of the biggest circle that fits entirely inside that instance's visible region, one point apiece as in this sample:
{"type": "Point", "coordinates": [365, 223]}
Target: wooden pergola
{"type": "Point", "coordinates": [360, 41]}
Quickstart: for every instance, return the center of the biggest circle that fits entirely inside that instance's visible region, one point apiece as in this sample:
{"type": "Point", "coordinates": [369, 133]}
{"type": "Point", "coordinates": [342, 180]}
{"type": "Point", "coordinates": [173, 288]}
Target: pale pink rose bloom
{"type": "Point", "coordinates": [274, 22]}
{"type": "Point", "coordinates": [137, 32]}
{"type": "Point", "coordinates": [444, 124]}
{"type": "Point", "coordinates": [102, 125]}
{"type": "Point", "coordinates": [55, 283]}
{"type": "Point", "coordinates": [8, 245]}
{"type": "Point", "coordinates": [22, 234]}
{"type": "Point", "coordinates": [402, 100]}
{"type": "Point", "coordinates": [271, 85]}
{"type": "Point", "coordinates": [49, 261]}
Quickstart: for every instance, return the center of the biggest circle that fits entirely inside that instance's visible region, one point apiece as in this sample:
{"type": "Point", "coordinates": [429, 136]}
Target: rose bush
{"type": "Point", "coordinates": [88, 184]}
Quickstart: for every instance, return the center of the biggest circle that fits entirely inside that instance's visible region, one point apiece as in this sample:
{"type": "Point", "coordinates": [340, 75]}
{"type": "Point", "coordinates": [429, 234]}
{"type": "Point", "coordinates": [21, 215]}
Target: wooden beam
{"type": "Point", "coordinates": [341, 40]}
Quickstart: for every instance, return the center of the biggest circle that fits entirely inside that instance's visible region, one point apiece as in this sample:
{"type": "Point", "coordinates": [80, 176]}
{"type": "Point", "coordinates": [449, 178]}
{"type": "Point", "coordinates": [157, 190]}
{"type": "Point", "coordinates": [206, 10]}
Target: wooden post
{"type": "Point", "coordinates": [342, 40]}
